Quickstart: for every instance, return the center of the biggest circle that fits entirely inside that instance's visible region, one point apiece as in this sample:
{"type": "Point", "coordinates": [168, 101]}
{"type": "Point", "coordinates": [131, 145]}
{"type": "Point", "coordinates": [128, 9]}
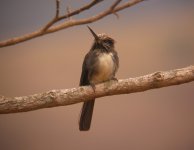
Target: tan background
{"type": "Point", "coordinates": [152, 36]}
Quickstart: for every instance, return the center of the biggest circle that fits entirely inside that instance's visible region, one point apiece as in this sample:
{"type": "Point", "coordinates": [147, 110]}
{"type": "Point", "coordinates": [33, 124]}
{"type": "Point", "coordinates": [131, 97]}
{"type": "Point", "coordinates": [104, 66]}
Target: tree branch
{"type": "Point", "coordinates": [50, 28]}
{"type": "Point", "coordinates": [63, 97]}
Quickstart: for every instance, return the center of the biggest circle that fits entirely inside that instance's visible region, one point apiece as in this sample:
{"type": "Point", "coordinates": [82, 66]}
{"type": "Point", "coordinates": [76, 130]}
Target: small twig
{"type": "Point", "coordinates": [68, 12]}
{"type": "Point", "coordinates": [75, 12]}
{"type": "Point", "coordinates": [54, 20]}
{"type": "Point", "coordinates": [128, 4]}
{"type": "Point", "coordinates": [57, 8]}
{"type": "Point", "coordinates": [117, 15]}
{"type": "Point", "coordinates": [115, 4]}
{"type": "Point", "coordinates": [113, 7]}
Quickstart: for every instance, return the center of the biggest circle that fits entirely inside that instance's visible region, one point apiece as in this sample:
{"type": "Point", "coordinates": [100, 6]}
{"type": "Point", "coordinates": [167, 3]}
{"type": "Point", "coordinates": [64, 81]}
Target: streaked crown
{"type": "Point", "coordinates": [102, 40]}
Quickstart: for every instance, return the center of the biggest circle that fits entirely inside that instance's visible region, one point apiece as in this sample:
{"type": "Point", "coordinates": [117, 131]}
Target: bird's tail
{"type": "Point", "coordinates": [86, 115]}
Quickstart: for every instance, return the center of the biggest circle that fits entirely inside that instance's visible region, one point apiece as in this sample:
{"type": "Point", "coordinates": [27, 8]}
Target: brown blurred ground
{"type": "Point", "coordinates": [153, 36]}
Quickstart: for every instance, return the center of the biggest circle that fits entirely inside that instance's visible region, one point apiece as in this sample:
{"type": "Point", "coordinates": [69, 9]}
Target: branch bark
{"type": "Point", "coordinates": [50, 27]}
{"type": "Point", "coordinates": [63, 97]}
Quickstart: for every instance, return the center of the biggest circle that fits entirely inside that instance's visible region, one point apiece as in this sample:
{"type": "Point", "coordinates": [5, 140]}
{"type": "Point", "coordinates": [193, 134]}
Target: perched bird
{"type": "Point", "coordinates": [100, 65]}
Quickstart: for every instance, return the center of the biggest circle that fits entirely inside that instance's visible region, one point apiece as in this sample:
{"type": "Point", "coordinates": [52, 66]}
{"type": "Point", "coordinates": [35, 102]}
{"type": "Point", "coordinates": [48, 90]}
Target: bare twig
{"type": "Point", "coordinates": [73, 13]}
{"type": "Point", "coordinates": [113, 7]}
{"type": "Point", "coordinates": [115, 4]}
{"type": "Point", "coordinates": [53, 21]}
{"type": "Point", "coordinates": [63, 97]}
{"type": "Point", "coordinates": [49, 27]}
{"type": "Point", "coordinates": [68, 11]}
{"type": "Point", "coordinates": [57, 8]}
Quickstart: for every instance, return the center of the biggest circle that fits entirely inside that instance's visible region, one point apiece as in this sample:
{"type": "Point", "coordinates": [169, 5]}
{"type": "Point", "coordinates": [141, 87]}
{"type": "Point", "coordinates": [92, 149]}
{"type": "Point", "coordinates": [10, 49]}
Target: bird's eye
{"type": "Point", "coordinates": [109, 42]}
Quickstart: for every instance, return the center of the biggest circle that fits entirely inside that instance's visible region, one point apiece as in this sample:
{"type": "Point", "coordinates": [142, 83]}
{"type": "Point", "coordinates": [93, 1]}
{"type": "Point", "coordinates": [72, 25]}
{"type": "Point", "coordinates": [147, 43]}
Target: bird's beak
{"type": "Point", "coordinates": [93, 33]}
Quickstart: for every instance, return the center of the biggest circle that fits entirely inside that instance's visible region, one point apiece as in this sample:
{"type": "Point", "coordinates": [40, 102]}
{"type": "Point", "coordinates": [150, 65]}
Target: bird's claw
{"type": "Point", "coordinates": [93, 87]}
{"type": "Point", "coordinates": [114, 79]}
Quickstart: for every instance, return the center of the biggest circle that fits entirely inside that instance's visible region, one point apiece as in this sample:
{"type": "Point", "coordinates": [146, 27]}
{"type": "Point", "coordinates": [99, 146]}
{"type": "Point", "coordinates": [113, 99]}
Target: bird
{"type": "Point", "coordinates": [100, 65]}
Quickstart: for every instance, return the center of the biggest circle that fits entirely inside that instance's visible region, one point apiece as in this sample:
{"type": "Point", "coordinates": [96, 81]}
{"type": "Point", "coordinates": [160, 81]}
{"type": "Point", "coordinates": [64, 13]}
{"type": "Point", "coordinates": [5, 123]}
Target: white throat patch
{"type": "Point", "coordinates": [105, 68]}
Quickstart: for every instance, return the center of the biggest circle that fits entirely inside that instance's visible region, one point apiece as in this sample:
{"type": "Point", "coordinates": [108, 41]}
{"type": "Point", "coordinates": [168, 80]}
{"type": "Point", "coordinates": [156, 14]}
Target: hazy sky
{"type": "Point", "coordinates": [152, 36]}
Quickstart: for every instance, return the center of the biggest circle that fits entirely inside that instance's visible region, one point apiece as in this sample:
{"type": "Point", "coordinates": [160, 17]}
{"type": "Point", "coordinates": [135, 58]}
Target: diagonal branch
{"type": "Point", "coordinates": [57, 18]}
{"type": "Point", "coordinates": [115, 4]}
{"type": "Point", "coordinates": [76, 12]}
{"type": "Point", "coordinates": [50, 28]}
{"type": "Point", "coordinates": [110, 10]}
{"type": "Point", "coordinates": [63, 97]}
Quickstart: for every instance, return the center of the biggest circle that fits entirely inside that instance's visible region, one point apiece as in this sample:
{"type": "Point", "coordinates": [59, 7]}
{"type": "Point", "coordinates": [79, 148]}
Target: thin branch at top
{"type": "Point", "coordinates": [63, 97]}
{"type": "Point", "coordinates": [54, 20]}
{"type": "Point", "coordinates": [50, 28]}
{"type": "Point", "coordinates": [76, 12]}
{"type": "Point", "coordinates": [57, 8]}
{"type": "Point", "coordinates": [115, 4]}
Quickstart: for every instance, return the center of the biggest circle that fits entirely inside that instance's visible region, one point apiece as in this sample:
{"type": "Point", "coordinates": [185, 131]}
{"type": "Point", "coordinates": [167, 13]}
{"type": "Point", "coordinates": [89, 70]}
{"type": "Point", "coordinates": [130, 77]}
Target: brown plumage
{"type": "Point", "coordinates": [100, 65]}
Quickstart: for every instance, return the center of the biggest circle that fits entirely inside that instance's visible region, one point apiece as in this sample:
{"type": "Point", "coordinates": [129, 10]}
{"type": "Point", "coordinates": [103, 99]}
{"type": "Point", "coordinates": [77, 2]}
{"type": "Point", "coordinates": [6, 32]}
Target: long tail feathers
{"type": "Point", "coordinates": [86, 115]}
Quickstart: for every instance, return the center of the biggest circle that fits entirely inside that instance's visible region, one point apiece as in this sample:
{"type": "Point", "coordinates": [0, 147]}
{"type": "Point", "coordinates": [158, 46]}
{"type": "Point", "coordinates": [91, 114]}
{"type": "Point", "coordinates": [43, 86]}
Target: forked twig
{"type": "Point", "coordinates": [50, 27]}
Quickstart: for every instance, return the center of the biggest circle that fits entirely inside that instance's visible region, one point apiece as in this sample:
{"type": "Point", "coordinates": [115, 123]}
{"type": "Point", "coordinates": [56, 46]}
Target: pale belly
{"type": "Point", "coordinates": [105, 68]}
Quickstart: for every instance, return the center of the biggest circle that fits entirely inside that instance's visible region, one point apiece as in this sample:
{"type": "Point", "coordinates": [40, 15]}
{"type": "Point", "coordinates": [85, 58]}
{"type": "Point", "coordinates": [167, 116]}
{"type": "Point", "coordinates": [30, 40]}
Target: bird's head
{"type": "Point", "coordinates": [102, 40]}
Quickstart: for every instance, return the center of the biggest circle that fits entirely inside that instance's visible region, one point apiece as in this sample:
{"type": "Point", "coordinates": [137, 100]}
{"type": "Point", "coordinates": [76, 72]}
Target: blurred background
{"type": "Point", "coordinates": [154, 35]}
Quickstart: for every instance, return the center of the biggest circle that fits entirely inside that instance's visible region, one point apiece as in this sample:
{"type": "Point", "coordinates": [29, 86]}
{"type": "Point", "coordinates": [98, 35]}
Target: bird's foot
{"type": "Point", "coordinates": [93, 87]}
{"type": "Point", "coordinates": [114, 79]}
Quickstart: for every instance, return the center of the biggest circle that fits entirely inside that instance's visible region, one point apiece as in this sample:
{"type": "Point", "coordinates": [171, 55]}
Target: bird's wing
{"type": "Point", "coordinates": [87, 108]}
{"type": "Point", "coordinates": [84, 76]}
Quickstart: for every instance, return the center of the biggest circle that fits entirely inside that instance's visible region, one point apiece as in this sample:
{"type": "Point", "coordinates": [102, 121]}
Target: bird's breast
{"type": "Point", "coordinates": [105, 68]}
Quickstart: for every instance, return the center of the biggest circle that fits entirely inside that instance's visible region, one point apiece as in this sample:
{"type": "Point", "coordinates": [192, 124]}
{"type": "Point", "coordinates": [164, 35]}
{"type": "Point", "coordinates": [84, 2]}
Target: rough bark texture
{"type": "Point", "coordinates": [63, 97]}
